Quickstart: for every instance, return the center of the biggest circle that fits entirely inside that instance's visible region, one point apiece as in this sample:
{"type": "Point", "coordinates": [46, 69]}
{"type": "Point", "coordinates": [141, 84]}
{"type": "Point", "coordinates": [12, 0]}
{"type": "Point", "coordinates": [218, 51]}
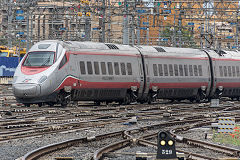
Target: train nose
{"type": "Point", "coordinates": [26, 90]}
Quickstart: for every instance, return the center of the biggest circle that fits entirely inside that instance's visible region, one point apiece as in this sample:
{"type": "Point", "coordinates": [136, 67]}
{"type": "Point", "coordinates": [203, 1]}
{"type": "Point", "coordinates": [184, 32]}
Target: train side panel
{"type": "Point", "coordinates": [227, 73]}
{"type": "Point", "coordinates": [102, 76]}
{"type": "Point", "coordinates": [178, 76]}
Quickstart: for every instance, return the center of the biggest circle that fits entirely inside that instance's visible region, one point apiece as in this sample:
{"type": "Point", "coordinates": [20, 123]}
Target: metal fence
{"type": "Point", "coordinates": [8, 66]}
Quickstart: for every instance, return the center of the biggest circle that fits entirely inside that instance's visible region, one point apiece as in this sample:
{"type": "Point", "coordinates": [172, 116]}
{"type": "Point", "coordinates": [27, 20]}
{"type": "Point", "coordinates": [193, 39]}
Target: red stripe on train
{"type": "Point", "coordinates": [229, 84]}
{"type": "Point", "coordinates": [77, 84]}
{"type": "Point", "coordinates": [180, 85]}
{"type": "Point", "coordinates": [32, 70]}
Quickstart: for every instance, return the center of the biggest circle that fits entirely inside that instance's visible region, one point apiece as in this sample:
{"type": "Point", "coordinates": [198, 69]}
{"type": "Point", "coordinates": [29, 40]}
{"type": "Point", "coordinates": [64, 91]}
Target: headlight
{"type": "Point", "coordinates": [42, 79]}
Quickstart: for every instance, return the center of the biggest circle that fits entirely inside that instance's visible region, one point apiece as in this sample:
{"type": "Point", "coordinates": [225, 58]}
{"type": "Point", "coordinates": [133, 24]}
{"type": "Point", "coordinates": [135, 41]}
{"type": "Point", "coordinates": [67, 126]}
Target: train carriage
{"type": "Point", "coordinates": [177, 73]}
{"type": "Point", "coordinates": [100, 72]}
{"type": "Point", "coordinates": [226, 74]}
{"type": "Point", "coordinates": [57, 72]}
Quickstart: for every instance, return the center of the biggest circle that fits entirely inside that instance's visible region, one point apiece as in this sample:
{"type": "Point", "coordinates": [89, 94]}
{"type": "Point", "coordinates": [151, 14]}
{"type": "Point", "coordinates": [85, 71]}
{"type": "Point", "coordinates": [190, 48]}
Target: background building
{"type": "Point", "coordinates": [192, 23]}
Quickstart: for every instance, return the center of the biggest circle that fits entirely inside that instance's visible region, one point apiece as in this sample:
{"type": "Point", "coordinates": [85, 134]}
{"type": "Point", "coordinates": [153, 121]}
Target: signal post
{"type": "Point", "coordinates": [166, 147]}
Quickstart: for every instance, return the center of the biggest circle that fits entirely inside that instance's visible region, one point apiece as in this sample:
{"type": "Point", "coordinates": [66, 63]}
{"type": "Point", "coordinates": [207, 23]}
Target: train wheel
{"type": "Point", "coordinates": [40, 104]}
{"type": "Point", "coordinates": [64, 99]}
{"type": "Point", "coordinates": [120, 102]}
{"type": "Point", "coordinates": [191, 100]}
{"type": "Point", "coordinates": [127, 99]}
{"type": "Point", "coordinates": [26, 104]}
{"type": "Point", "coordinates": [149, 99]}
{"type": "Point", "coordinates": [97, 103]}
{"type": "Point", "coordinates": [65, 102]}
{"type": "Point", "coordinates": [51, 104]}
{"type": "Point", "coordinates": [199, 96]}
{"type": "Point", "coordinates": [141, 102]}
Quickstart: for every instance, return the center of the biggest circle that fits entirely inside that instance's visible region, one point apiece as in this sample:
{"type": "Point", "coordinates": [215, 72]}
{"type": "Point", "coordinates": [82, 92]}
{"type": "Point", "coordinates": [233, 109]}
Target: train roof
{"type": "Point", "coordinates": [155, 51]}
{"type": "Point", "coordinates": [75, 45]}
{"type": "Point", "coordinates": [223, 54]}
{"type": "Point", "coordinates": [101, 46]}
{"type": "Point", "coordinates": [171, 51]}
{"type": "Point", "coordinates": [51, 45]}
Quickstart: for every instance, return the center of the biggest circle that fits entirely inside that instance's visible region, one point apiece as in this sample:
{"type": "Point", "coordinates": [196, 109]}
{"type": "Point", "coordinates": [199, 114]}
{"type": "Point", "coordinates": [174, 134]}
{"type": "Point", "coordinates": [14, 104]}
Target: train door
{"type": "Point", "coordinates": [141, 75]}
{"type": "Point", "coordinates": [214, 77]}
{"type": "Point", "coordinates": [147, 78]}
{"type": "Point", "coordinates": [212, 73]}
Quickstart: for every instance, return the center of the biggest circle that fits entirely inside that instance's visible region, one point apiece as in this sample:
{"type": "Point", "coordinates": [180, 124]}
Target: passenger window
{"type": "Point", "coordinates": [129, 68]}
{"type": "Point", "coordinates": [181, 70]}
{"type": "Point", "coordinates": [123, 68]}
{"type": "Point", "coordinates": [195, 70]}
{"type": "Point", "coordinates": [96, 68]}
{"type": "Point", "coordinates": [82, 67]}
{"type": "Point", "coordinates": [116, 68]}
{"type": "Point", "coordinates": [221, 71]}
{"type": "Point", "coordinates": [89, 68]}
{"type": "Point", "coordinates": [170, 69]}
{"type": "Point", "coordinates": [233, 71]}
{"type": "Point", "coordinates": [110, 68]}
{"type": "Point", "coordinates": [237, 69]}
{"type": "Point", "coordinates": [176, 69]}
{"type": "Point", "coordinates": [186, 70]}
{"type": "Point", "coordinates": [165, 70]}
{"type": "Point", "coordinates": [225, 71]}
{"type": "Point", "coordinates": [155, 70]}
{"type": "Point", "coordinates": [229, 71]}
{"type": "Point", "coordinates": [103, 68]}
{"type": "Point", "coordinates": [190, 70]}
{"type": "Point", "coordinates": [63, 61]}
{"type": "Point", "coordinates": [160, 69]}
{"type": "Point", "coordinates": [200, 70]}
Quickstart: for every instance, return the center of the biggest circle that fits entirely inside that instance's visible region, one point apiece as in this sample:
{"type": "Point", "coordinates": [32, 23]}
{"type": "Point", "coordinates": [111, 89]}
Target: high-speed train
{"type": "Point", "coordinates": [57, 72]}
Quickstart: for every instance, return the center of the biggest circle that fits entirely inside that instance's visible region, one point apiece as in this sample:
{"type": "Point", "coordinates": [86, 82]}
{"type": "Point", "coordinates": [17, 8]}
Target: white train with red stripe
{"type": "Point", "coordinates": [59, 72]}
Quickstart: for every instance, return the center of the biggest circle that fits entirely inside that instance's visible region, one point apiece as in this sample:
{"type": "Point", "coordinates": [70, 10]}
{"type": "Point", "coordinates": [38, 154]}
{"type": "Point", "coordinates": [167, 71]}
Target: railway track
{"type": "Point", "coordinates": [127, 138]}
{"type": "Point", "coordinates": [46, 121]}
{"type": "Point", "coordinates": [26, 122]}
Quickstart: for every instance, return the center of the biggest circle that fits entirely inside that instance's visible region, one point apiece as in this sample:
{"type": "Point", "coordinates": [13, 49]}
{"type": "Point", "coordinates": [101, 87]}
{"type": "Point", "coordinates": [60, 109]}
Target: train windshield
{"type": "Point", "coordinates": [38, 59]}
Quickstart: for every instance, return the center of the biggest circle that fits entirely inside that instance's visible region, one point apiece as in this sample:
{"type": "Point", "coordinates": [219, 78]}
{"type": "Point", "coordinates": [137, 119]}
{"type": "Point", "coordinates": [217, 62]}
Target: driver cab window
{"type": "Point", "coordinates": [64, 61]}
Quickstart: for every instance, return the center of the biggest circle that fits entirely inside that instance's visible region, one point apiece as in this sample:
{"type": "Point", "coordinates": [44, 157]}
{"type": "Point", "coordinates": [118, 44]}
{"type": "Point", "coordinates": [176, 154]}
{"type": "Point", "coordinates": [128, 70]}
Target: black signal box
{"type": "Point", "coordinates": [166, 146]}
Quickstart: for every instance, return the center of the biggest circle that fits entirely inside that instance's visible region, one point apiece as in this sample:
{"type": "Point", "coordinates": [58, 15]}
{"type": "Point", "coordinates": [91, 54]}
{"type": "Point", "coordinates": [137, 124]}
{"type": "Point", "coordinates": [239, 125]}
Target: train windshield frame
{"type": "Point", "coordinates": [39, 59]}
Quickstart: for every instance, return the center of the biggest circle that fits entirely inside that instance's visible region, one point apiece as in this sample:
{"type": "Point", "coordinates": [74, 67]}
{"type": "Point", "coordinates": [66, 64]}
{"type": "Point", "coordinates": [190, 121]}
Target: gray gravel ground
{"type": "Point", "coordinates": [199, 134]}
{"type": "Point", "coordinates": [14, 149]}
{"type": "Point", "coordinates": [82, 151]}
{"type": "Point", "coordinates": [129, 153]}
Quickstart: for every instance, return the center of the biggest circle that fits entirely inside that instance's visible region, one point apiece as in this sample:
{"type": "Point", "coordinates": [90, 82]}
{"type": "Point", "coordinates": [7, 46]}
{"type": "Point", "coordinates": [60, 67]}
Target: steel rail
{"type": "Point", "coordinates": [99, 154]}
{"type": "Point", "coordinates": [53, 147]}
{"type": "Point", "coordinates": [58, 146]}
{"type": "Point", "coordinates": [189, 154]}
